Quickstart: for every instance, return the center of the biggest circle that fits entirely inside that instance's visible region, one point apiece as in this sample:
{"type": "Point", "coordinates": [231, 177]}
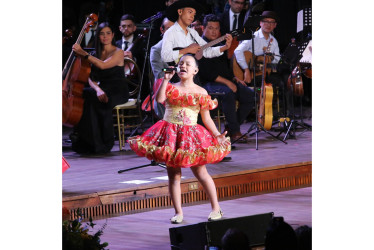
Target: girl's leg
{"type": "Point", "coordinates": [175, 175]}
{"type": "Point", "coordinates": [202, 175]}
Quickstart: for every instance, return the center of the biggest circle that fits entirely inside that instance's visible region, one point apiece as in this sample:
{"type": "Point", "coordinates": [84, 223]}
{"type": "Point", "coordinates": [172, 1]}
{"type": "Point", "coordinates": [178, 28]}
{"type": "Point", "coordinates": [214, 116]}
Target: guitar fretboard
{"type": "Point", "coordinates": [214, 42]}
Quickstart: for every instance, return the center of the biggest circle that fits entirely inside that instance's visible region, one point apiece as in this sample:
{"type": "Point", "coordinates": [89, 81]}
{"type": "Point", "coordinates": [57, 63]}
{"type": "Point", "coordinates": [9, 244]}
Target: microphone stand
{"type": "Point", "coordinates": [257, 125]}
{"type": "Point", "coordinates": [151, 20]}
{"type": "Point", "coordinates": [145, 24]}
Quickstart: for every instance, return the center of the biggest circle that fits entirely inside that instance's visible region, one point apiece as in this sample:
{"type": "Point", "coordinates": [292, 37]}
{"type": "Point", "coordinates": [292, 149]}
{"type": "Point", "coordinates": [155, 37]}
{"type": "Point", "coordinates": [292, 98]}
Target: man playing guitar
{"type": "Point", "coordinates": [262, 39]}
{"type": "Point", "coordinates": [183, 13]}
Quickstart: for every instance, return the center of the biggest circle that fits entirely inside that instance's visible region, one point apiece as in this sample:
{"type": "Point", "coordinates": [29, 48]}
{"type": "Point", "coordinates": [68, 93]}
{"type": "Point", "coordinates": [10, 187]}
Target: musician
{"type": "Point", "coordinates": [216, 76]}
{"type": "Point", "coordinates": [261, 41]}
{"type": "Point", "coordinates": [155, 56]}
{"type": "Point", "coordinates": [197, 25]}
{"type": "Point", "coordinates": [236, 12]}
{"type": "Point", "coordinates": [262, 37]}
{"type": "Point", "coordinates": [107, 88]}
{"type": "Point", "coordinates": [183, 13]}
{"type": "Point", "coordinates": [129, 34]}
{"type": "Point", "coordinates": [89, 38]}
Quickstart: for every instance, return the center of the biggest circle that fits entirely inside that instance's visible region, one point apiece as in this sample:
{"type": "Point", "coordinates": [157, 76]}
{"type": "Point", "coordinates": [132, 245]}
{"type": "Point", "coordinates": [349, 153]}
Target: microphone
{"type": "Point", "coordinates": [154, 17]}
{"type": "Point", "coordinates": [170, 70]}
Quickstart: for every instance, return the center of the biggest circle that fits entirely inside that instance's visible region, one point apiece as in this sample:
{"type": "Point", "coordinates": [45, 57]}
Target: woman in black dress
{"type": "Point", "coordinates": [107, 88]}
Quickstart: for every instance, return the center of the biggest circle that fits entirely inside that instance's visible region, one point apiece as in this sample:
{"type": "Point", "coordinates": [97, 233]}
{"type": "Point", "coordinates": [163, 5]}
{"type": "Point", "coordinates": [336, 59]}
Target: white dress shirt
{"type": "Point", "coordinates": [176, 37]}
{"type": "Point", "coordinates": [130, 40]}
{"type": "Point", "coordinates": [260, 42]}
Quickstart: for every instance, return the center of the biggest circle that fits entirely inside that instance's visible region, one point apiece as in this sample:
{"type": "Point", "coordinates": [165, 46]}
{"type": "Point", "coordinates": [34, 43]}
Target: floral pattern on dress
{"type": "Point", "coordinates": [183, 117]}
{"type": "Point", "coordinates": [180, 145]}
{"type": "Point", "coordinates": [175, 97]}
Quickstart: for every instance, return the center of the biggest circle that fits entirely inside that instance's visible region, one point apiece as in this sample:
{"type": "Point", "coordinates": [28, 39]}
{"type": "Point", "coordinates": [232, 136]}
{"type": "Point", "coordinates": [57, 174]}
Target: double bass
{"type": "Point", "coordinates": [74, 76]}
{"type": "Point", "coordinates": [265, 110]}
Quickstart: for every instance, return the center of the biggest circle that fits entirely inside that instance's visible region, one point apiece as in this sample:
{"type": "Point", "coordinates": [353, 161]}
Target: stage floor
{"type": "Point", "coordinates": [150, 230]}
{"type": "Point", "coordinates": [99, 173]}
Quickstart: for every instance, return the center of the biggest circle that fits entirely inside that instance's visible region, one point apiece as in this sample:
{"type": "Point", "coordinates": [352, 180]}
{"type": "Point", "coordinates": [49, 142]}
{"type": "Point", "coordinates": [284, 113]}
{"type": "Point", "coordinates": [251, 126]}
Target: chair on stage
{"type": "Point", "coordinates": [219, 113]}
{"type": "Point", "coordinates": [129, 115]}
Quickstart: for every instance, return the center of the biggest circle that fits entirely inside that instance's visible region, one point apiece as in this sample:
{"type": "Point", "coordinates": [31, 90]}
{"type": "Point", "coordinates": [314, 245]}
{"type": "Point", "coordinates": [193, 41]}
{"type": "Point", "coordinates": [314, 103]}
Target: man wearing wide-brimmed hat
{"type": "Point", "coordinates": [262, 38]}
{"type": "Point", "coordinates": [183, 13]}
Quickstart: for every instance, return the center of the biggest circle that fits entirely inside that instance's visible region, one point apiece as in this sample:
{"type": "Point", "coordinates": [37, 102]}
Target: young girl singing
{"type": "Point", "coordinates": [179, 141]}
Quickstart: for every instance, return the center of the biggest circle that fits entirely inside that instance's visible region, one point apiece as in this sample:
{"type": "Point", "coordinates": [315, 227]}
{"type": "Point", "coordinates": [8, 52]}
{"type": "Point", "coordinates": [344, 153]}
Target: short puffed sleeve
{"type": "Point", "coordinates": [206, 102]}
{"type": "Point", "coordinates": [172, 93]}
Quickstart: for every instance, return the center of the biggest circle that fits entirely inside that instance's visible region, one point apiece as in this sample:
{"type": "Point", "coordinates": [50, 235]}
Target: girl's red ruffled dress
{"type": "Point", "coordinates": [177, 140]}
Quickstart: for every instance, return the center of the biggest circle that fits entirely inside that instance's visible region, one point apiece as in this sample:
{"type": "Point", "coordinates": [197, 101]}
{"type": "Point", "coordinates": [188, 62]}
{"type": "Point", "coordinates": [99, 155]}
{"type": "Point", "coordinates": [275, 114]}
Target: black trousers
{"type": "Point", "coordinates": [95, 132]}
{"type": "Point", "coordinates": [245, 97]}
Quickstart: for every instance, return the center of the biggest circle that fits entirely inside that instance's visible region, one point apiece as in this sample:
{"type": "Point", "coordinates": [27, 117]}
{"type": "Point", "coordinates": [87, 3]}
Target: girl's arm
{"type": "Point", "coordinates": [209, 124]}
{"type": "Point", "coordinates": [160, 95]}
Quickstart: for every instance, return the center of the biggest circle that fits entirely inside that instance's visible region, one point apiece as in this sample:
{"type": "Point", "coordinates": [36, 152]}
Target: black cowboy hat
{"type": "Point", "coordinates": [269, 14]}
{"type": "Point", "coordinates": [172, 10]}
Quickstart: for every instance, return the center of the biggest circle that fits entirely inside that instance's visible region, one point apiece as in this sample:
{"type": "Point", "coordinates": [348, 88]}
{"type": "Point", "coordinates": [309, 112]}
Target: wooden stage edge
{"type": "Point", "coordinates": [146, 197]}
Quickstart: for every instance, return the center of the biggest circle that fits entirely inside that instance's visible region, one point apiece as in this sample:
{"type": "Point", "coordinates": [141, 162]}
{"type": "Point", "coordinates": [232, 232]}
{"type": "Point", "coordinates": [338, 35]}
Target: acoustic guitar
{"type": "Point", "coordinates": [234, 45]}
{"type": "Point", "coordinates": [295, 81]}
{"type": "Point", "coordinates": [265, 111]}
{"type": "Point", "coordinates": [304, 66]}
{"type": "Point", "coordinates": [239, 72]}
{"type": "Point", "coordinates": [199, 54]}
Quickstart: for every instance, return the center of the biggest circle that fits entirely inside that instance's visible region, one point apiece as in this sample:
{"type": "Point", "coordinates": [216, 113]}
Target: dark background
{"type": "Point", "coordinates": [74, 14]}
{"type": "Point", "coordinates": [74, 11]}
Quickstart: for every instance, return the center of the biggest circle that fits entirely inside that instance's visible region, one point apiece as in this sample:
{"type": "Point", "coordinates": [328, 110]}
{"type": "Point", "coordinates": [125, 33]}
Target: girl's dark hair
{"type": "Point", "coordinates": [196, 61]}
{"type": "Point", "coordinates": [98, 45]}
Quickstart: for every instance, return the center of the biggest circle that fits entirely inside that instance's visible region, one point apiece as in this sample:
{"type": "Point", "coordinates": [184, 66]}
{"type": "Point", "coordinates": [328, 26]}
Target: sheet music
{"type": "Point", "coordinates": [307, 54]}
{"type": "Point", "coordinates": [300, 21]}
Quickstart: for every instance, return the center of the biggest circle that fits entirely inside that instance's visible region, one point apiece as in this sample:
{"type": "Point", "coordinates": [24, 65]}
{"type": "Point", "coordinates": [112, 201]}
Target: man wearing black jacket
{"type": "Point", "coordinates": [234, 17]}
{"type": "Point", "coordinates": [216, 76]}
{"type": "Point", "coordinates": [133, 48]}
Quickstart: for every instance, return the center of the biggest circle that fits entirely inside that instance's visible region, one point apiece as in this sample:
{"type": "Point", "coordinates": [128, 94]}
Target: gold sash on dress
{"type": "Point", "coordinates": [181, 115]}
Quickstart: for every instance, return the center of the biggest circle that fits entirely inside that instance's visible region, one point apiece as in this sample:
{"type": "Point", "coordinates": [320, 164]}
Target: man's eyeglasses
{"type": "Point", "coordinates": [236, 2]}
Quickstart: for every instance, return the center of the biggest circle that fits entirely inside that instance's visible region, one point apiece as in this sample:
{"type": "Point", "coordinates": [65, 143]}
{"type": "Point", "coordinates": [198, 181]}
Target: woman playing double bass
{"type": "Point", "coordinates": [107, 88]}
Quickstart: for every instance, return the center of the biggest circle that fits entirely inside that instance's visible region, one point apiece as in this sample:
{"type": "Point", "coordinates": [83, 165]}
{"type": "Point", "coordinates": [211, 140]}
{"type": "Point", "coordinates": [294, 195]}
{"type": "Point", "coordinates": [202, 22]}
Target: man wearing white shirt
{"type": "Point", "coordinates": [261, 41]}
{"type": "Point", "coordinates": [180, 36]}
{"type": "Point", "coordinates": [262, 38]}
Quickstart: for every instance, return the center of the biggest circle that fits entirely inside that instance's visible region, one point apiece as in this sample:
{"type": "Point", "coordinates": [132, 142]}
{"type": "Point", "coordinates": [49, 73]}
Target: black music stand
{"type": "Point", "coordinates": [150, 26]}
{"type": "Point", "coordinates": [294, 124]}
{"type": "Point", "coordinates": [291, 128]}
{"type": "Point", "coordinates": [252, 24]}
{"type": "Point", "coordinates": [305, 32]}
